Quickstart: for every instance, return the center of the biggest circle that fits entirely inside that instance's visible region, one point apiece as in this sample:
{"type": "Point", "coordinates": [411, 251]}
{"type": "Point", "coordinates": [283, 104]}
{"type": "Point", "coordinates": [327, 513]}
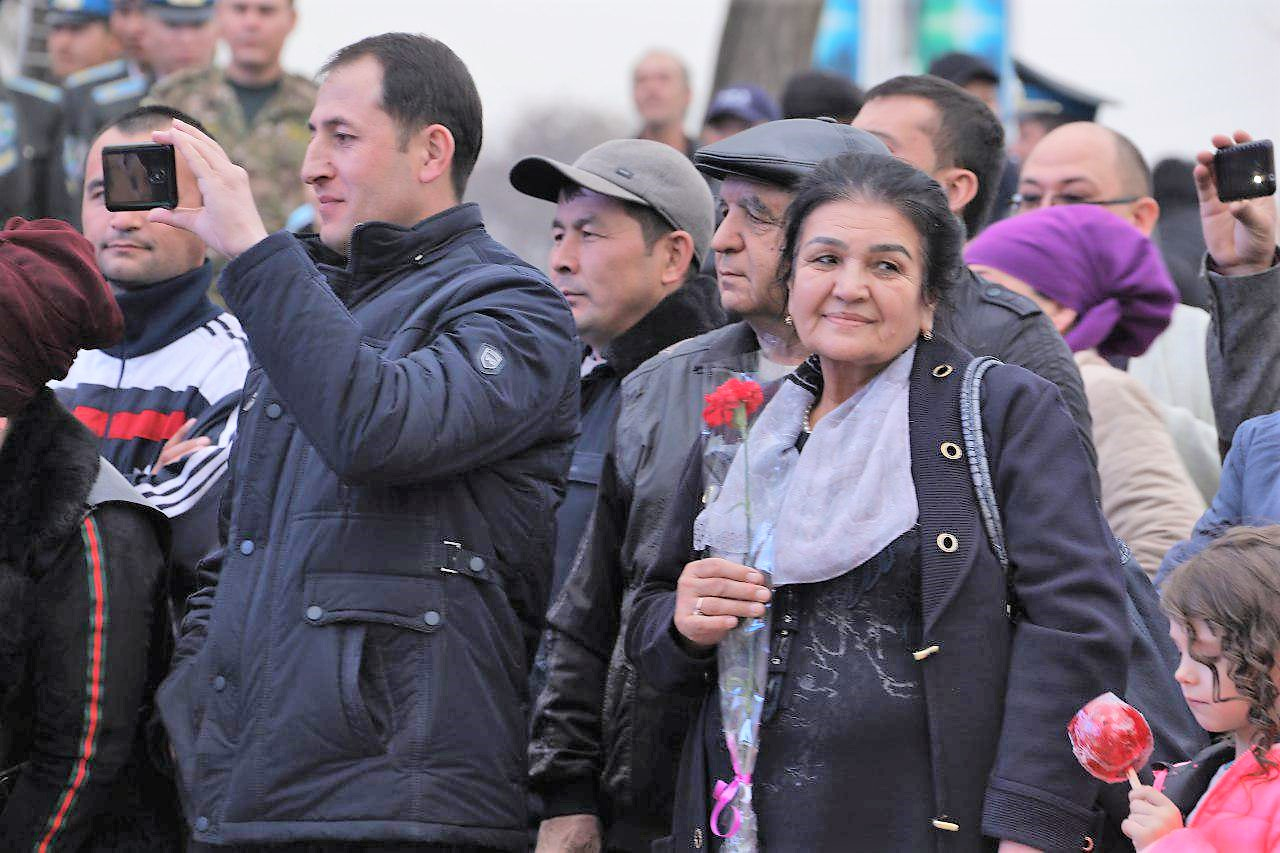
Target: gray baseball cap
{"type": "Point", "coordinates": [640, 171]}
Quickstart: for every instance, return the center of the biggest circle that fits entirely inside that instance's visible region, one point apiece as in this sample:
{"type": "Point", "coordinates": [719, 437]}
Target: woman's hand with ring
{"type": "Point", "coordinates": [712, 595]}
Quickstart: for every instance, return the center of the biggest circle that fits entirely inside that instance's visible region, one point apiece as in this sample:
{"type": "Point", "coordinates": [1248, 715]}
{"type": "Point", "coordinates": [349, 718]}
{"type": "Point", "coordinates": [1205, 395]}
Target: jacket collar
{"type": "Point", "coordinates": [48, 464]}
{"type": "Point", "coordinates": [691, 310]}
{"type": "Point", "coordinates": [737, 340]}
{"type": "Point", "coordinates": [381, 246]}
{"type": "Point", "coordinates": [158, 314]}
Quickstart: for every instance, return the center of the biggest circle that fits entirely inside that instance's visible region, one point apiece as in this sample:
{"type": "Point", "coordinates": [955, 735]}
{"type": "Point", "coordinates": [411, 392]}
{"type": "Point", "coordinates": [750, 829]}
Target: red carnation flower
{"type": "Point", "coordinates": [724, 402]}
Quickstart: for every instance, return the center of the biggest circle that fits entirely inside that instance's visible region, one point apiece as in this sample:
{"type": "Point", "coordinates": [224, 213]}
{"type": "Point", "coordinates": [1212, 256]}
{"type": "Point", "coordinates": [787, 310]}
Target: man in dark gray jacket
{"type": "Point", "coordinates": [353, 672]}
{"type": "Point", "coordinates": [1242, 270]}
{"type": "Point", "coordinates": [619, 765]}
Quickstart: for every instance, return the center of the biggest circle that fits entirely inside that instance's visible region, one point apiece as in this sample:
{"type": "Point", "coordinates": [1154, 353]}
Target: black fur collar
{"type": "Point", "coordinates": [48, 464]}
{"type": "Point", "coordinates": [690, 311]}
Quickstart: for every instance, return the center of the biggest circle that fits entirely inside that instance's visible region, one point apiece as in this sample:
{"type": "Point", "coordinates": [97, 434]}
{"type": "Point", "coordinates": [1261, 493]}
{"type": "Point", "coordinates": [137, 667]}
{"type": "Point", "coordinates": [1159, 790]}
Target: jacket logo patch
{"type": "Point", "coordinates": [490, 360]}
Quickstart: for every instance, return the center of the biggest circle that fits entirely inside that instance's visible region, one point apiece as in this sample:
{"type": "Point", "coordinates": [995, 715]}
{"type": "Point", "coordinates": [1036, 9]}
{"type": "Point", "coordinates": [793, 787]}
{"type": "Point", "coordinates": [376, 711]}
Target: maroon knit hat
{"type": "Point", "coordinates": [53, 303]}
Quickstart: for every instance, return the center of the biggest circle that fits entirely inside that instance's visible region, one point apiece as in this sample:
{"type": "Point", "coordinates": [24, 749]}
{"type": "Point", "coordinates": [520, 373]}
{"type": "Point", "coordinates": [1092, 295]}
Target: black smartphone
{"type": "Point", "coordinates": [1245, 171]}
{"type": "Point", "coordinates": [139, 177]}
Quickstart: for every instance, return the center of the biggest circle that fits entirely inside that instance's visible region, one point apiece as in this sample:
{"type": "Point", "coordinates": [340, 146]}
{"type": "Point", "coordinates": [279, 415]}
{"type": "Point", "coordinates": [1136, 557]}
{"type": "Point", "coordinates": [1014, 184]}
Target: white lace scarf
{"type": "Point", "coordinates": [833, 507]}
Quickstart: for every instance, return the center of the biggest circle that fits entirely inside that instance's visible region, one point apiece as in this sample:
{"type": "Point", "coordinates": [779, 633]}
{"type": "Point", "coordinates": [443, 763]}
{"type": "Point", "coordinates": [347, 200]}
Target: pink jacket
{"type": "Point", "coordinates": [1241, 814]}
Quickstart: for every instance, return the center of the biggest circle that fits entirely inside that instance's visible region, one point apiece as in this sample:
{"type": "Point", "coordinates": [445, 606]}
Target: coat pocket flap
{"type": "Point", "coordinates": [416, 603]}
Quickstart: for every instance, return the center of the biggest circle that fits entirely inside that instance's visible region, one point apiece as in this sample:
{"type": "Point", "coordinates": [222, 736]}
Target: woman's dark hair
{"type": "Point", "coordinates": [1234, 586]}
{"type": "Point", "coordinates": [881, 179]}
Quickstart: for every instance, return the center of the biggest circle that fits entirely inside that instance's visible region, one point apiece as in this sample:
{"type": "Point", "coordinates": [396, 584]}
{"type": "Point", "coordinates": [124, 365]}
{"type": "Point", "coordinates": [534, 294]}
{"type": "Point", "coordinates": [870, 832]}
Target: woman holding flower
{"type": "Point", "coordinates": [904, 710]}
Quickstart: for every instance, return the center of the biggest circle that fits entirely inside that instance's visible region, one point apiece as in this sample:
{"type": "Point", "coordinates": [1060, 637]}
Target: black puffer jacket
{"type": "Point", "coordinates": [84, 640]}
{"type": "Point", "coordinates": [605, 742]}
{"type": "Point", "coordinates": [356, 668]}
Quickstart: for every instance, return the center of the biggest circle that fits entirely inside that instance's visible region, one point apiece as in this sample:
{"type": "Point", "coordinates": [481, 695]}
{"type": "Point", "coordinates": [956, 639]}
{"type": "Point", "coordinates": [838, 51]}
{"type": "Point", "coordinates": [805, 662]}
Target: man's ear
{"type": "Point", "coordinates": [960, 185]}
{"type": "Point", "coordinates": [435, 152]}
{"type": "Point", "coordinates": [677, 255]}
{"type": "Point", "coordinates": [1145, 215]}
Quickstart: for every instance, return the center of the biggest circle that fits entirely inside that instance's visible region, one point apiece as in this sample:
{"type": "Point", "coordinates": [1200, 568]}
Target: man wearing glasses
{"type": "Point", "coordinates": [1086, 163]}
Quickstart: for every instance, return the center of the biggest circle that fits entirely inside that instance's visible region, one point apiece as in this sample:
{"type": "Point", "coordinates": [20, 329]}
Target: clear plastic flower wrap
{"type": "Point", "coordinates": [744, 534]}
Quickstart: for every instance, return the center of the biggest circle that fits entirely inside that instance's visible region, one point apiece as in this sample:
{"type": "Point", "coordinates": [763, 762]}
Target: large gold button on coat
{"type": "Point", "coordinates": [945, 824]}
{"type": "Point", "coordinates": [942, 371]}
{"type": "Point", "coordinates": [951, 450]}
{"type": "Point", "coordinates": [948, 543]}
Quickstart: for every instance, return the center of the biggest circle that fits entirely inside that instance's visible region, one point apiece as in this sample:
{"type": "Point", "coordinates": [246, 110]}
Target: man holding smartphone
{"type": "Point", "coordinates": [162, 401]}
{"type": "Point", "coordinates": [355, 669]}
{"type": "Point", "coordinates": [1243, 272]}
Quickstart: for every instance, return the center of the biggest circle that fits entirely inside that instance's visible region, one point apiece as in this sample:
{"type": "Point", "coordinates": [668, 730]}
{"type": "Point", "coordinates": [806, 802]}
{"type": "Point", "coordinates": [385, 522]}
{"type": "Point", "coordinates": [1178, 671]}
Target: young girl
{"type": "Point", "coordinates": [1224, 610]}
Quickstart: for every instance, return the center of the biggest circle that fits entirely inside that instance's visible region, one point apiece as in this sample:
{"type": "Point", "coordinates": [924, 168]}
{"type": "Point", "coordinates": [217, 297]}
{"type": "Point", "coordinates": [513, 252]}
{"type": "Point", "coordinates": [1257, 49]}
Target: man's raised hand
{"type": "Point", "coordinates": [229, 222]}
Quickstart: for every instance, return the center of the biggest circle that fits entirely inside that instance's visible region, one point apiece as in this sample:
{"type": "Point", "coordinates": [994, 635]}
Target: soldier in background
{"type": "Point", "coordinates": [129, 24]}
{"type": "Point", "coordinates": [79, 38]}
{"type": "Point", "coordinates": [179, 35]}
{"type": "Point", "coordinates": [257, 110]}
{"type": "Point", "coordinates": [31, 184]}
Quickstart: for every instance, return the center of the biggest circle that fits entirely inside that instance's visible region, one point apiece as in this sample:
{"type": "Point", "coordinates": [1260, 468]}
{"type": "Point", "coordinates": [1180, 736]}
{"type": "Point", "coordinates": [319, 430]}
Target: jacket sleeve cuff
{"type": "Point", "coordinates": [237, 280]}
{"type": "Point", "coordinates": [569, 796]}
{"type": "Point", "coordinates": [1038, 819]}
{"type": "Point", "coordinates": [1216, 278]}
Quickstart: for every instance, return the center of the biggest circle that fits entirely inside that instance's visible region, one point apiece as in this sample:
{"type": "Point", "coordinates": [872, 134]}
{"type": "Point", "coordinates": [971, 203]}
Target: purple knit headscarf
{"type": "Point", "coordinates": [1089, 260]}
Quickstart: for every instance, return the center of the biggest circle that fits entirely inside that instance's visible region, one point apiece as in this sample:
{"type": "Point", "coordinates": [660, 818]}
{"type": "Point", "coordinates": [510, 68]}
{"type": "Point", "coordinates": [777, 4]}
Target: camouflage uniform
{"type": "Point", "coordinates": [92, 98]}
{"type": "Point", "coordinates": [271, 150]}
{"type": "Point", "coordinates": [31, 182]}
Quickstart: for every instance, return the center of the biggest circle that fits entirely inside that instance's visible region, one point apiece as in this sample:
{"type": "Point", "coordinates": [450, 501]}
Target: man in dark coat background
{"type": "Point", "coordinates": [354, 672]}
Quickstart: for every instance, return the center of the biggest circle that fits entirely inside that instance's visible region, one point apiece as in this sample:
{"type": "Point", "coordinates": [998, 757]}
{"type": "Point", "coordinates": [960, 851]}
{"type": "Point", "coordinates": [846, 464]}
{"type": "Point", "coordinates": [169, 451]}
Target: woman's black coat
{"type": "Point", "coordinates": [85, 637]}
{"type": "Point", "coordinates": [999, 695]}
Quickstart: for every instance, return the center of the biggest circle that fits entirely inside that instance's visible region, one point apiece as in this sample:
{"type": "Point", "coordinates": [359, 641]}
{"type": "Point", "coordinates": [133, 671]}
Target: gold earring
{"type": "Point", "coordinates": [787, 321]}
{"type": "Point", "coordinates": [927, 334]}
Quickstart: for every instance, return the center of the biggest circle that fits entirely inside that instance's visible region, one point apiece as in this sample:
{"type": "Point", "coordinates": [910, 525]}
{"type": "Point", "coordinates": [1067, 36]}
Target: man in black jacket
{"type": "Point", "coordinates": [354, 672]}
{"type": "Point", "coordinates": [632, 225]}
{"type": "Point", "coordinates": [620, 763]}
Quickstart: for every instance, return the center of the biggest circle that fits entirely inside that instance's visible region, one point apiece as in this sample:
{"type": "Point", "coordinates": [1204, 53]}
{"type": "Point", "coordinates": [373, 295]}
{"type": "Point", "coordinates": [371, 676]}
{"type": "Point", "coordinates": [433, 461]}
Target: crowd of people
{"type": "Point", "coordinates": [328, 524]}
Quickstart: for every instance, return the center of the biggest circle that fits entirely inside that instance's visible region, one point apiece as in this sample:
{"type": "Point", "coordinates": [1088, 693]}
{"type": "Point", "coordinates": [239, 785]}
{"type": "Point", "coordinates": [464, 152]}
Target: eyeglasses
{"type": "Point", "coordinates": [1021, 203]}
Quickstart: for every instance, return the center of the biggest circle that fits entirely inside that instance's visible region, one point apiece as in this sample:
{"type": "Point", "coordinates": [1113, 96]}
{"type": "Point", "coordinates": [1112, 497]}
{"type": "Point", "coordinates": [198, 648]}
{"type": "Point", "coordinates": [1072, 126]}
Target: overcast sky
{"type": "Point", "coordinates": [1178, 69]}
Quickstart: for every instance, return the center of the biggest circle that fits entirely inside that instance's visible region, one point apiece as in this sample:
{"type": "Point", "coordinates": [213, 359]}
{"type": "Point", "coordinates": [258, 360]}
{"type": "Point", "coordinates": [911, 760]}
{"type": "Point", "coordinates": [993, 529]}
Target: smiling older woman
{"type": "Point", "coordinates": [905, 710]}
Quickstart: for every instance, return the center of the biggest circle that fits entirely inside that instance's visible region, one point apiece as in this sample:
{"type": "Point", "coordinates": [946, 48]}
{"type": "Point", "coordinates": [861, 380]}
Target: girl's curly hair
{"type": "Point", "coordinates": [1234, 586]}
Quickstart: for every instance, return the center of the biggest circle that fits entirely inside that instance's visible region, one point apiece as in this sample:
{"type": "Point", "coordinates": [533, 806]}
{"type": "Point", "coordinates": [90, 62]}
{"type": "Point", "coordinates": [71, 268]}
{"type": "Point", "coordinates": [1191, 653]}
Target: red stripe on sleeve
{"type": "Point", "coordinates": [93, 701]}
{"type": "Point", "coordinates": [94, 419]}
{"type": "Point", "coordinates": [150, 424]}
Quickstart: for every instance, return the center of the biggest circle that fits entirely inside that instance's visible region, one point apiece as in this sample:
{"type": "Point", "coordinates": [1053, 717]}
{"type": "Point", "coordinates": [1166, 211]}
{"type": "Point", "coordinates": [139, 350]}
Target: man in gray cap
{"type": "Point", "coordinates": [632, 224]}
{"type": "Point", "coordinates": [605, 745]}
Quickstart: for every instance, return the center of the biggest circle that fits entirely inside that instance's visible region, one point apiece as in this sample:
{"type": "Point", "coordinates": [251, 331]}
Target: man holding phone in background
{"type": "Point", "coordinates": [162, 402]}
{"type": "Point", "coordinates": [1242, 268]}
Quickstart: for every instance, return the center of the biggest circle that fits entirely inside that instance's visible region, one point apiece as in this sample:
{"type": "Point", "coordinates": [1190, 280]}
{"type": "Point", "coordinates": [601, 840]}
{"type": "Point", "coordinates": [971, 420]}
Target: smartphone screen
{"type": "Point", "coordinates": [139, 177]}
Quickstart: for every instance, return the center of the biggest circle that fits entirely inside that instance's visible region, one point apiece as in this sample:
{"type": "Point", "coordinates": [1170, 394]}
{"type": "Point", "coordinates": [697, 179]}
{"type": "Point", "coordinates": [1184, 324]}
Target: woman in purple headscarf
{"type": "Point", "coordinates": [1102, 283]}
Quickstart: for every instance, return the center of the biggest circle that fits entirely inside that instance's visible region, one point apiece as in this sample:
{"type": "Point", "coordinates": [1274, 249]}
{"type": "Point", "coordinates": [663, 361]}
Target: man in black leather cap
{"type": "Point", "coordinates": [606, 745]}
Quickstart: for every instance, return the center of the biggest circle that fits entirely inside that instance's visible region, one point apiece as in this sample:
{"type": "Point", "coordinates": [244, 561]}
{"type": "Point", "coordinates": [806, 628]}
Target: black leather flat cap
{"type": "Point", "coordinates": [783, 152]}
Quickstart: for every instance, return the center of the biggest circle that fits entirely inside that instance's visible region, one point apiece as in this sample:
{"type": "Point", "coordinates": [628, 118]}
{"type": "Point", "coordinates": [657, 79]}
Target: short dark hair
{"type": "Point", "coordinates": [816, 93]}
{"type": "Point", "coordinates": [151, 117]}
{"type": "Point", "coordinates": [881, 179]}
{"type": "Point", "coordinates": [424, 82]}
{"type": "Point", "coordinates": [969, 135]}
